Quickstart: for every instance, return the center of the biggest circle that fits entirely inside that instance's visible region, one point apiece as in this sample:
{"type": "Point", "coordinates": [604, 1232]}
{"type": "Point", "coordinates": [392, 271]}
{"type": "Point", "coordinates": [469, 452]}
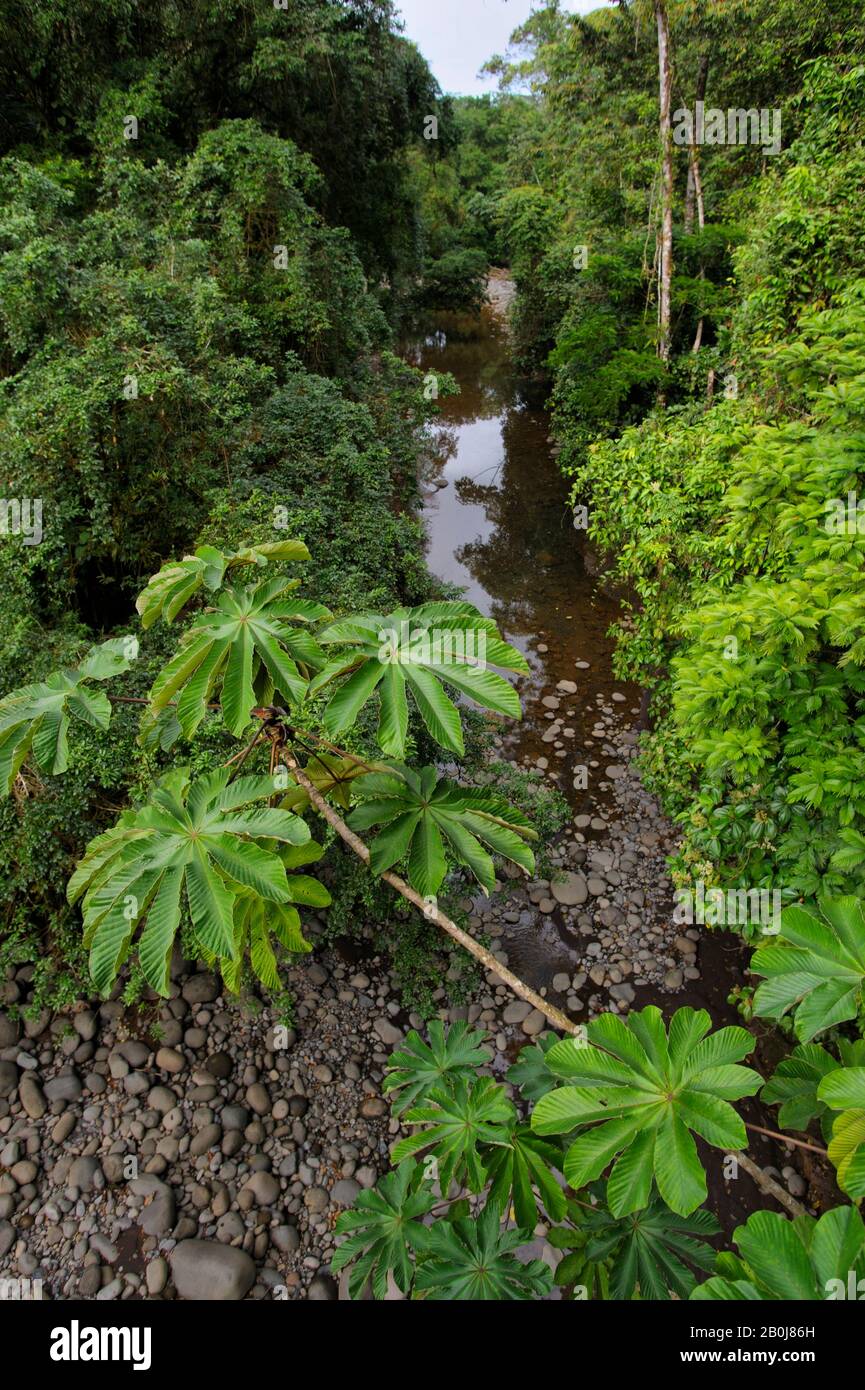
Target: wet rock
{"type": "Point", "coordinates": [32, 1097]}
{"type": "Point", "coordinates": [156, 1275]}
{"type": "Point", "coordinates": [168, 1059]}
{"type": "Point", "coordinates": [10, 1031]}
{"type": "Point", "coordinates": [262, 1188]}
{"type": "Point", "coordinates": [571, 890]}
{"type": "Point", "coordinates": [323, 1289]}
{"type": "Point", "coordinates": [85, 1174]}
{"type": "Point", "coordinates": [258, 1098]}
{"type": "Point", "coordinates": [389, 1035]}
{"type": "Point", "coordinates": [64, 1087]}
{"type": "Point", "coordinates": [316, 1200]}
{"type": "Point", "coordinates": [204, 1269]}
{"type": "Point", "coordinates": [201, 989]}
{"type": "Point", "coordinates": [159, 1211]}
{"type": "Point", "coordinates": [345, 1191]}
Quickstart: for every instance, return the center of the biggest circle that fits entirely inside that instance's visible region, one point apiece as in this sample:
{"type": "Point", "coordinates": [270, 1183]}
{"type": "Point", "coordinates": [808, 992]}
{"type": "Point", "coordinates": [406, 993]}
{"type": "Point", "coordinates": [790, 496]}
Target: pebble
{"type": "Point", "coordinates": [571, 890]}
{"type": "Point", "coordinates": [32, 1097]}
{"type": "Point", "coordinates": [205, 1269]}
{"type": "Point", "coordinates": [316, 1199]}
{"type": "Point", "coordinates": [387, 1032]}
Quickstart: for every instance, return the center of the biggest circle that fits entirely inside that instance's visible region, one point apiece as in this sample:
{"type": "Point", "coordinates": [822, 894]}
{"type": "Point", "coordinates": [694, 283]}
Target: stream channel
{"type": "Point", "coordinates": [500, 526]}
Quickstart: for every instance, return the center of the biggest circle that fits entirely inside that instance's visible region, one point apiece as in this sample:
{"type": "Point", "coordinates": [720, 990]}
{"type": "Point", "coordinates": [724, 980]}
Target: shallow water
{"type": "Point", "coordinates": [503, 530]}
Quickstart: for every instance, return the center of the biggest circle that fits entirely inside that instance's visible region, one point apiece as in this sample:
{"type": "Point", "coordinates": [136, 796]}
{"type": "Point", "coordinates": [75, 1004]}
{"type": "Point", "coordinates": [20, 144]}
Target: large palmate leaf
{"type": "Point", "coordinates": [193, 843]}
{"type": "Point", "coordinates": [422, 815]}
{"type": "Point", "coordinates": [35, 719]}
{"type": "Point", "coordinates": [654, 1250]}
{"type": "Point", "coordinates": [417, 650]}
{"type": "Point", "coordinates": [418, 1067]}
{"type": "Point", "coordinates": [383, 1229]}
{"type": "Point", "coordinates": [179, 581]}
{"type": "Point", "coordinates": [521, 1178]}
{"type": "Point", "coordinates": [258, 921]}
{"type": "Point", "coordinates": [530, 1072]}
{"type": "Point", "coordinates": [843, 1090]}
{"type": "Point", "coordinates": [456, 1120]}
{"type": "Point", "coordinates": [638, 1094]}
{"type": "Point", "coordinates": [248, 646]}
{"type": "Point", "coordinates": [794, 1087]}
{"type": "Point", "coordinates": [474, 1260]}
{"type": "Point", "coordinates": [791, 1260]}
{"type": "Point", "coordinates": [816, 966]}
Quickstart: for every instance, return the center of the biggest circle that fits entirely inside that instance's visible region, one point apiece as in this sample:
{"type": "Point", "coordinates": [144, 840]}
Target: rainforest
{"type": "Point", "coordinates": [432, 659]}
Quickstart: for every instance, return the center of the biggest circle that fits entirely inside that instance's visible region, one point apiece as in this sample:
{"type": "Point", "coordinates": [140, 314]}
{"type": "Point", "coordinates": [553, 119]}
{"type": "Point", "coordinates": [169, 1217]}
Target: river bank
{"type": "Point", "coordinates": [195, 1144]}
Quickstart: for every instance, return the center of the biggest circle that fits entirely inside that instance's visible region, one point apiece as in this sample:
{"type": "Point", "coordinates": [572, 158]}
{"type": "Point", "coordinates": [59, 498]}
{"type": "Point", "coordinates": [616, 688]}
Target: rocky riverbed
{"type": "Point", "coordinates": [197, 1149]}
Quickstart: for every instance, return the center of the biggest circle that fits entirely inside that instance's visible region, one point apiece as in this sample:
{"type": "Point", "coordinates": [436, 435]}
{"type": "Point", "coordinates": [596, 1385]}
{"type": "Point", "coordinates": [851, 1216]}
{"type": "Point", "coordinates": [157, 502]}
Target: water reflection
{"type": "Point", "coordinates": [499, 522]}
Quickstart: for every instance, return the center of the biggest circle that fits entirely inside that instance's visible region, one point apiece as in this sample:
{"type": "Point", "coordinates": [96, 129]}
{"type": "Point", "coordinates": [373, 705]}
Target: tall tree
{"type": "Point", "coordinates": [665, 248]}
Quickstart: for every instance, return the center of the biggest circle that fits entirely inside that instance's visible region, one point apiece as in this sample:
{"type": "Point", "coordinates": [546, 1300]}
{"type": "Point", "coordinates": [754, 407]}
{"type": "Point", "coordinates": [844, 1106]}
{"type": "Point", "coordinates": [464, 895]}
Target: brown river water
{"type": "Point", "coordinates": [502, 529]}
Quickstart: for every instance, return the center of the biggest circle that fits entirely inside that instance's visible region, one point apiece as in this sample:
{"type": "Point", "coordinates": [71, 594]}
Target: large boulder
{"type": "Point", "coordinates": [205, 1269]}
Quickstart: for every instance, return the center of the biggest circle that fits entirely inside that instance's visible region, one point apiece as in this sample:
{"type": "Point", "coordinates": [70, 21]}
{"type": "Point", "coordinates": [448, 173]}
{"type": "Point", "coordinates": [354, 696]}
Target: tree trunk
{"type": "Point", "coordinates": [429, 910]}
{"type": "Point", "coordinates": [666, 240]}
{"type": "Point", "coordinates": [694, 177]}
{"type": "Point", "coordinates": [690, 195]}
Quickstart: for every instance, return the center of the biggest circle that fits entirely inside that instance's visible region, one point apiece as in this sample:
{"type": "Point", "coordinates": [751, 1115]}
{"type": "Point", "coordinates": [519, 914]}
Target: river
{"type": "Point", "coordinates": [500, 526]}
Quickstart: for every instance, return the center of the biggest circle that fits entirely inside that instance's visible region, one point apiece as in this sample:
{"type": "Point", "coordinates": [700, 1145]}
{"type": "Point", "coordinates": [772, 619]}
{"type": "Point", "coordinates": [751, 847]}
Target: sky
{"type": "Point", "coordinates": [457, 36]}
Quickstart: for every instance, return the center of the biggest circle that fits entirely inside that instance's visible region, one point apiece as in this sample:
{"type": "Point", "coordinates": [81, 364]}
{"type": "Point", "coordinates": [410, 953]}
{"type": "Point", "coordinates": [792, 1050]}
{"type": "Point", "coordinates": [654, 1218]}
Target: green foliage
{"type": "Point", "coordinates": [417, 808]}
{"type": "Point", "coordinates": [417, 649]}
{"type": "Point", "coordinates": [521, 1168]}
{"type": "Point", "coordinates": [711, 483]}
{"type": "Point", "coordinates": [473, 1260]}
{"type": "Point", "coordinates": [816, 967]}
{"type": "Point", "coordinates": [169, 591]}
{"type": "Point", "coordinates": [804, 1260]}
{"type": "Point", "coordinates": [643, 1092]}
{"type": "Point", "coordinates": [470, 1134]}
{"type": "Point", "coordinates": [418, 1067]}
{"type": "Point", "coordinates": [195, 836]}
{"type": "Point", "coordinates": [794, 1085]}
{"type": "Point", "coordinates": [247, 647]}
{"type": "Point", "coordinates": [456, 280]}
{"type": "Point", "coordinates": [382, 1229]}
{"type": "Point", "coordinates": [843, 1090]}
{"type": "Point", "coordinates": [530, 1071]}
{"type": "Point", "coordinates": [258, 921]}
{"type": "Point", "coordinates": [36, 718]}
{"type": "Point", "coordinates": [653, 1250]}
{"type": "Point", "coordinates": [454, 1120]}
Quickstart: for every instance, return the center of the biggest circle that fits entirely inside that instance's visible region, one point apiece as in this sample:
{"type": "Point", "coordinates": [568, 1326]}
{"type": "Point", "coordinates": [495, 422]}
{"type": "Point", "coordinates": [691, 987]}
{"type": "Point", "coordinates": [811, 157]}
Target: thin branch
{"type": "Point", "coordinates": [768, 1185]}
{"type": "Point", "coordinates": [787, 1139]}
{"type": "Point", "coordinates": [429, 909]}
{"type": "Point", "coordinates": [240, 758]}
